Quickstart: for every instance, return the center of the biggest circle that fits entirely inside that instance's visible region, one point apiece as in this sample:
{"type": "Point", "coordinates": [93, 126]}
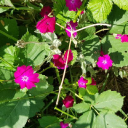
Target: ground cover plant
{"type": "Point", "coordinates": [63, 63]}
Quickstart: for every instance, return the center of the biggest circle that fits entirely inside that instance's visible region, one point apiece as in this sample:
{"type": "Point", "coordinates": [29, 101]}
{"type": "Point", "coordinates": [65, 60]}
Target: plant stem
{"type": "Point", "coordinates": [45, 70]}
{"type": "Point", "coordinates": [58, 75]}
{"type": "Point", "coordinates": [60, 87]}
{"type": "Point", "coordinates": [7, 35]}
{"type": "Point", "coordinates": [95, 110]}
{"type": "Point", "coordinates": [65, 113]}
{"type": "Point", "coordinates": [98, 24]}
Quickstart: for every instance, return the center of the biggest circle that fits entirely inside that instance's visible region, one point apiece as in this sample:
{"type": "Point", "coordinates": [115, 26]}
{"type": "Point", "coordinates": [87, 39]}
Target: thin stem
{"type": "Point", "coordinates": [95, 110]}
{"type": "Point", "coordinates": [102, 30]}
{"type": "Point", "coordinates": [7, 35]}
{"type": "Point", "coordinates": [65, 113]}
{"type": "Point", "coordinates": [108, 25]}
{"type": "Point", "coordinates": [45, 70]}
{"type": "Point", "coordinates": [58, 75]}
{"type": "Point", "coordinates": [60, 87]}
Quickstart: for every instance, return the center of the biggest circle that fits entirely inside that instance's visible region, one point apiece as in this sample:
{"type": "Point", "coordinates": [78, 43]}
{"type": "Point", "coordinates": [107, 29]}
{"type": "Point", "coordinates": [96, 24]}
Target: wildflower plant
{"type": "Point", "coordinates": [63, 53]}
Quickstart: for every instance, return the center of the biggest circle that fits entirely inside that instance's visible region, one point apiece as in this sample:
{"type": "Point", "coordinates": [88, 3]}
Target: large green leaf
{"type": "Point", "coordinates": [3, 9]}
{"type": "Point", "coordinates": [118, 51]}
{"type": "Point", "coordinates": [100, 9]}
{"type": "Point", "coordinates": [122, 4]}
{"type": "Point", "coordinates": [9, 27]}
{"type": "Point", "coordinates": [35, 52]}
{"type": "Point", "coordinates": [14, 114]}
{"type": "Point", "coordinates": [49, 122]}
{"type": "Point", "coordinates": [42, 88]}
{"type": "Point", "coordinates": [108, 120]}
{"type": "Point", "coordinates": [81, 107]}
{"type": "Point", "coordinates": [92, 89]}
{"type": "Point", "coordinates": [91, 49]}
{"type": "Point", "coordinates": [85, 121]}
{"type": "Point", "coordinates": [109, 100]}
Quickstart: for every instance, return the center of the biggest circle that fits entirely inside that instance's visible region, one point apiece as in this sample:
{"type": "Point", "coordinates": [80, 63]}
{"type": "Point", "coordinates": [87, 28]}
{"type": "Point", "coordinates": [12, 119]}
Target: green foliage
{"type": "Point", "coordinates": [6, 2]}
{"type": "Point", "coordinates": [116, 50]}
{"type": "Point", "coordinates": [3, 9]}
{"type": "Point", "coordinates": [49, 121]}
{"type": "Point", "coordinates": [100, 9]}
{"type": "Point", "coordinates": [90, 49]}
{"type": "Point", "coordinates": [92, 89]}
{"type": "Point", "coordinates": [8, 27]}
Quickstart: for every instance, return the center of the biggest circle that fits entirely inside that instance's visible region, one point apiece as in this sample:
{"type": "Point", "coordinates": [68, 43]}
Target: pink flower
{"type": "Point", "coordinates": [68, 101]}
{"type": "Point", "coordinates": [26, 77]}
{"type": "Point", "coordinates": [47, 24]}
{"type": "Point", "coordinates": [45, 11]}
{"type": "Point", "coordinates": [59, 61]}
{"type": "Point", "coordinates": [124, 38]}
{"type": "Point", "coordinates": [73, 4]}
{"type": "Point", "coordinates": [83, 82]}
{"type": "Point", "coordinates": [104, 62]}
{"type": "Point", "coordinates": [101, 53]}
{"type": "Point", "coordinates": [63, 125]}
{"type": "Point", "coordinates": [72, 27]}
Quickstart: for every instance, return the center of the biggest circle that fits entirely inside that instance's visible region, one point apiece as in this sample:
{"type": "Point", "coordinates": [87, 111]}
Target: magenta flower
{"type": "Point", "coordinates": [82, 12]}
{"type": "Point", "coordinates": [45, 11]}
{"type": "Point", "coordinates": [104, 62]}
{"type": "Point", "coordinates": [73, 4]}
{"type": "Point", "coordinates": [47, 24]}
{"type": "Point", "coordinates": [72, 27]}
{"type": "Point", "coordinates": [63, 125]}
{"type": "Point", "coordinates": [59, 61]}
{"type": "Point", "coordinates": [26, 77]}
{"type": "Point", "coordinates": [68, 101]}
{"type": "Point", "coordinates": [101, 53]}
{"type": "Point", "coordinates": [83, 82]}
{"type": "Point", "coordinates": [124, 38]}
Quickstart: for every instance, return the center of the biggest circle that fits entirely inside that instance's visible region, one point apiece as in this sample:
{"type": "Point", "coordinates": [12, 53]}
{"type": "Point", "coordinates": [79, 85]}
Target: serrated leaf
{"type": "Point", "coordinates": [85, 121]}
{"type": "Point", "coordinates": [8, 26]}
{"type": "Point", "coordinates": [90, 49]}
{"type": "Point", "coordinates": [100, 9]}
{"type": "Point", "coordinates": [92, 89]}
{"type": "Point", "coordinates": [14, 114]}
{"type": "Point", "coordinates": [42, 88]}
{"type": "Point", "coordinates": [108, 120]}
{"type": "Point", "coordinates": [35, 106]}
{"type": "Point", "coordinates": [7, 57]}
{"type": "Point", "coordinates": [122, 4]}
{"type": "Point", "coordinates": [81, 107]}
{"type": "Point", "coordinates": [109, 100]}
{"type": "Point", "coordinates": [49, 121]}
{"type": "Point", "coordinates": [118, 51]}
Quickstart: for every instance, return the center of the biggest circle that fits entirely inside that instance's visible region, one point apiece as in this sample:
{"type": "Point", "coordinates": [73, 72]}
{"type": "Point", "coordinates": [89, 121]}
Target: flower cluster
{"type": "Point", "coordinates": [59, 61]}
{"type": "Point", "coordinates": [83, 82]}
{"type": "Point", "coordinates": [104, 62]}
{"type": "Point", "coordinates": [73, 4]}
{"type": "Point", "coordinates": [124, 38]}
{"type": "Point", "coordinates": [68, 101]}
{"type": "Point", "coordinates": [72, 27]}
{"type": "Point", "coordinates": [26, 77]}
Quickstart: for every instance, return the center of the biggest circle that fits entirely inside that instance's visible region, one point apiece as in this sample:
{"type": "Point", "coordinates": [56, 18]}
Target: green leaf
{"type": "Point", "coordinates": [14, 114]}
{"type": "Point", "coordinates": [81, 107]}
{"type": "Point", "coordinates": [92, 89]}
{"type": "Point", "coordinates": [122, 4]}
{"type": "Point", "coordinates": [85, 121]}
{"type": "Point", "coordinates": [33, 56]}
{"type": "Point", "coordinates": [6, 2]}
{"type": "Point", "coordinates": [3, 9]}
{"type": "Point", "coordinates": [74, 56]}
{"type": "Point", "coordinates": [91, 49]}
{"type": "Point", "coordinates": [100, 9]}
{"type": "Point", "coordinates": [118, 51]}
{"type": "Point", "coordinates": [7, 57]}
{"type": "Point", "coordinates": [42, 88]}
{"type": "Point", "coordinates": [49, 122]}
{"type": "Point", "coordinates": [109, 100]}
{"type": "Point", "coordinates": [108, 120]}
{"type": "Point", "coordinates": [35, 106]}
{"type": "Point", "coordinates": [8, 26]}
